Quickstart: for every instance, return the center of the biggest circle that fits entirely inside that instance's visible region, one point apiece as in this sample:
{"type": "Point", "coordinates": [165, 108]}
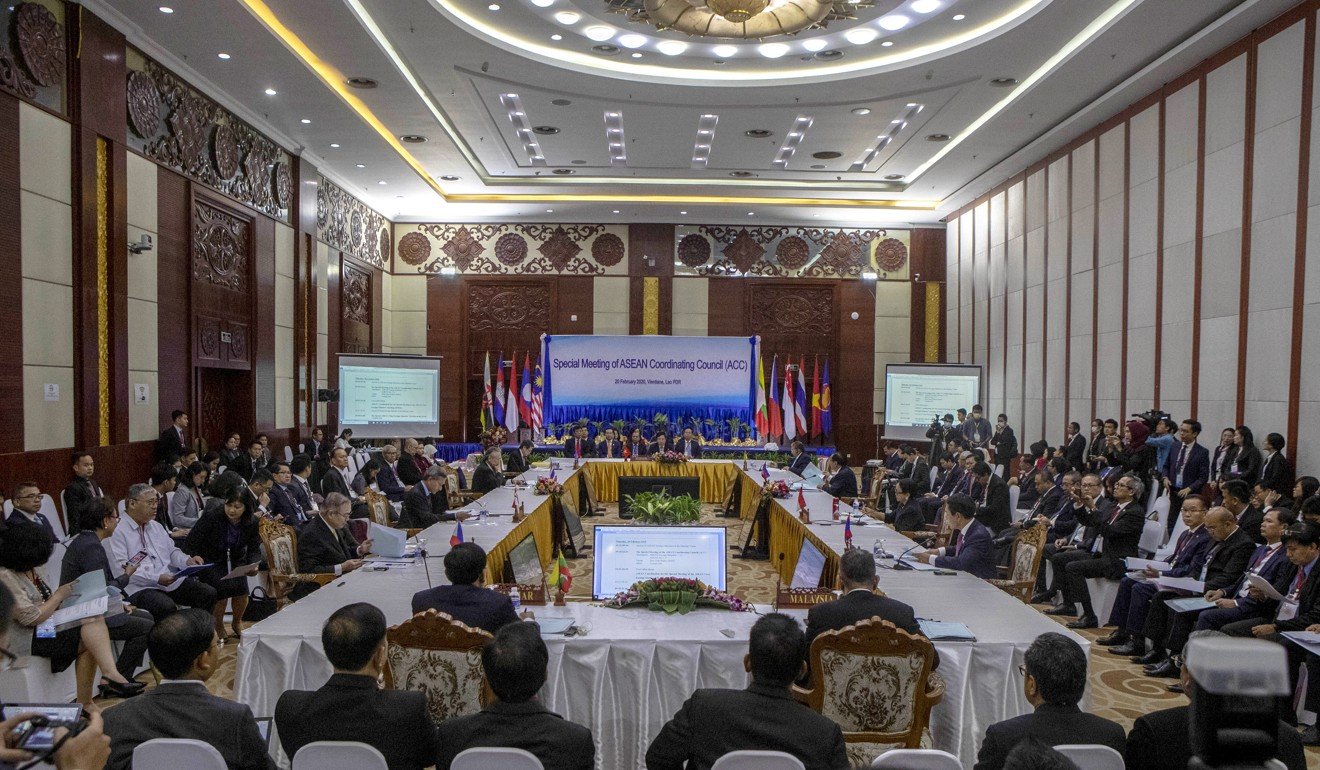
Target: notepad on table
{"type": "Point", "coordinates": [945, 631]}
{"type": "Point", "coordinates": [552, 626]}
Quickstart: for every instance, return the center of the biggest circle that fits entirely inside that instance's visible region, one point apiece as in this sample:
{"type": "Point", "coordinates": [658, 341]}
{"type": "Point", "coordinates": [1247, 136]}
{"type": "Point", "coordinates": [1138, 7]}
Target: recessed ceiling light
{"type": "Point", "coordinates": [334, 145]}
{"type": "Point", "coordinates": [599, 32]}
{"type": "Point", "coordinates": [616, 211]}
{"type": "Point", "coordinates": [887, 44]}
{"type": "Point", "coordinates": [549, 211]}
{"type": "Point", "coordinates": [545, 130]}
{"type": "Point", "coordinates": [921, 6]}
{"type": "Point", "coordinates": [412, 138]}
{"type": "Point", "coordinates": [741, 173]}
{"type": "Point", "coordinates": [381, 182]}
{"type": "Point", "coordinates": [449, 178]}
{"type": "Point", "coordinates": [671, 47]}
{"type": "Point", "coordinates": [567, 17]}
{"type": "Point", "coordinates": [578, 162]}
{"type": "Point", "coordinates": [632, 40]}
{"type": "Point", "coordinates": [772, 50]}
{"type": "Point", "coordinates": [938, 137]}
{"type": "Point", "coordinates": [223, 56]}
{"type": "Point", "coordinates": [893, 177]}
{"type": "Point", "coordinates": [636, 55]}
{"type": "Point", "coordinates": [166, 9]}
{"type": "Point", "coordinates": [815, 44]}
{"type": "Point", "coordinates": [827, 155]}
{"type": "Point", "coordinates": [271, 92]}
{"type": "Point", "coordinates": [751, 213]}
{"type": "Point", "coordinates": [563, 171]}
{"type": "Point", "coordinates": [361, 165]}
{"type": "Point", "coordinates": [543, 3]}
{"type": "Point", "coordinates": [829, 55]}
{"type": "Point", "coordinates": [493, 7]}
{"type": "Point", "coordinates": [894, 22]}
{"type": "Point", "coordinates": [757, 133]}
{"type": "Point", "coordinates": [959, 16]}
{"type": "Point", "coordinates": [556, 37]}
{"type": "Point", "coordinates": [860, 35]}
{"type": "Point", "coordinates": [861, 110]}
{"type": "Point", "coordinates": [361, 82]}
{"type": "Point", "coordinates": [1004, 82]}
{"type": "Point", "coordinates": [683, 213]}
{"type": "Point", "coordinates": [818, 166]}
{"type": "Point", "coordinates": [560, 102]}
{"type": "Point", "coordinates": [725, 51]}
{"type": "Point", "coordinates": [306, 121]}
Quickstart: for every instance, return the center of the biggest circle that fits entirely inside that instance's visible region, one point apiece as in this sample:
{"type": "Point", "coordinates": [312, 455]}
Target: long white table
{"type": "Point", "coordinates": [634, 668]}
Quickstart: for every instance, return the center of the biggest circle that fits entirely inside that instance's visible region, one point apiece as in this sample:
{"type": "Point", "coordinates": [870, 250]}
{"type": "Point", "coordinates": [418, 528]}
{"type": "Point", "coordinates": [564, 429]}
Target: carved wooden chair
{"type": "Point", "coordinates": [457, 497]}
{"type": "Point", "coordinates": [1019, 578]}
{"type": "Point", "coordinates": [434, 654]}
{"type": "Point", "coordinates": [280, 542]}
{"type": "Point", "coordinates": [875, 681]}
{"type": "Point", "coordinates": [378, 506]}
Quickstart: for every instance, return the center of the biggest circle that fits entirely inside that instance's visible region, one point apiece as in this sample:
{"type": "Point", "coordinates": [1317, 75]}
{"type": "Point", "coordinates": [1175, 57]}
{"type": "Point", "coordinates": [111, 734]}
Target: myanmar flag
{"type": "Point", "coordinates": [559, 574]}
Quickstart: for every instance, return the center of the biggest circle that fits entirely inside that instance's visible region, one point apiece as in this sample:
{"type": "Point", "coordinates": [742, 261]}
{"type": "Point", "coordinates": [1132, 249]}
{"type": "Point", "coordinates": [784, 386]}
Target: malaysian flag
{"type": "Point", "coordinates": [537, 404]}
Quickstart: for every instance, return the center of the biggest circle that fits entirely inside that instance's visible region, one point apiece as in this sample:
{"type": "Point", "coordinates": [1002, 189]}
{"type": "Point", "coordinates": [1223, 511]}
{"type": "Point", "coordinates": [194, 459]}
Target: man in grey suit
{"type": "Point", "coordinates": [183, 647]}
{"type": "Point", "coordinates": [764, 716]}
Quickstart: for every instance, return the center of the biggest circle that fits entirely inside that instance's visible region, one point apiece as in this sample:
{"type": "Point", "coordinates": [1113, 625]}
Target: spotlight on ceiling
{"type": "Point", "coordinates": [861, 110]}
{"type": "Point", "coordinates": [361, 82]}
{"type": "Point", "coordinates": [1004, 82]}
{"type": "Point", "coordinates": [412, 138]}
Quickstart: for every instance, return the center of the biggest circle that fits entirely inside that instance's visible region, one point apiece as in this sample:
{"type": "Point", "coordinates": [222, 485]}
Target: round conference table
{"type": "Point", "coordinates": [632, 669]}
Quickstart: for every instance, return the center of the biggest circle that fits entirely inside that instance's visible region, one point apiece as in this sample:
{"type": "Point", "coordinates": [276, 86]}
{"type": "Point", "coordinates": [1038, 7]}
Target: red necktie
{"type": "Point", "coordinates": [1297, 584]}
{"type": "Point", "coordinates": [1182, 540]}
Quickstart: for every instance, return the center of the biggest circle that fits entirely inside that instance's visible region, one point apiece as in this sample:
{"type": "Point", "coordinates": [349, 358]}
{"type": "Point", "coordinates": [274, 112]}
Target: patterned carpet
{"type": "Point", "coordinates": [1119, 691]}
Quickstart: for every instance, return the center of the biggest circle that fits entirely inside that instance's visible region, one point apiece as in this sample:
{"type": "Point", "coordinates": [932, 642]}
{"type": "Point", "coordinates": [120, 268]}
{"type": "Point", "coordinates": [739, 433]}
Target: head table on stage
{"type": "Point", "coordinates": [633, 668]}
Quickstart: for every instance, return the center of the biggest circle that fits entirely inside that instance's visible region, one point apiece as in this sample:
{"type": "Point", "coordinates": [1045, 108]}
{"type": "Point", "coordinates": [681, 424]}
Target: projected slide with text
{"type": "Point", "coordinates": [612, 371]}
{"type": "Point", "coordinates": [382, 394]}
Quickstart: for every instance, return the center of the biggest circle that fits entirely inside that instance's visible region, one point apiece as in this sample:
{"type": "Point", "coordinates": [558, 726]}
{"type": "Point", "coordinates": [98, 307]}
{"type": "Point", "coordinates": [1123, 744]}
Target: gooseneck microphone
{"type": "Point", "coordinates": [898, 563]}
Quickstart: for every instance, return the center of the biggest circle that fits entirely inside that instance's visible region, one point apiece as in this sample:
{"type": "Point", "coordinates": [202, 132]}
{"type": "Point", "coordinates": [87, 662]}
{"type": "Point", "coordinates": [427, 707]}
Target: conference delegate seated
{"type": "Point", "coordinates": [610, 445]}
{"type": "Point", "coordinates": [489, 474]}
{"type": "Point", "coordinates": [1076, 544]}
{"type": "Point", "coordinates": [688, 444]}
{"type": "Point", "coordinates": [579, 445]}
{"type": "Point", "coordinates": [969, 545]}
{"type": "Point", "coordinates": [660, 444]}
{"type": "Point", "coordinates": [842, 481]}
{"type": "Point", "coordinates": [352, 705]}
{"type": "Point", "coordinates": [154, 586]}
{"type": "Point", "coordinates": [387, 480]}
{"type": "Point", "coordinates": [82, 487]}
{"type": "Point", "coordinates": [247, 464]}
{"type": "Point", "coordinates": [521, 460]}
{"type": "Point", "coordinates": [227, 537]}
{"type": "Point", "coordinates": [1050, 503]}
{"type": "Point", "coordinates": [232, 449]}
{"type": "Point", "coordinates": [515, 663]}
{"type": "Point", "coordinates": [859, 602]}
{"type": "Point", "coordinates": [1237, 499]}
{"type": "Point", "coordinates": [366, 478]}
{"type": "Point", "coordinates": [325, 545]}
{"type": "Point", "coordinates": [185, 650]}
{"type": "Point", "coordinates": [948, 476]}
{"type": "Point", "coordinates": [1240, 601]}
{"type": "Point", "coordinates": [993, 507]}
{"type": "Point", "coordinates": [1054, 680]}
{"type": "Point", "coordinates": [188, 501]}
{"type": "Point", "coordinates": [800, 460]}
{"type": "Point", "coordinates": [286, 495]}
{"type": "Point", "coordinates": [336, 480]}
{"type": "Point", "coordinates": [301, 484]}
{"type": "Point", "coordinates": [427, 503]}
{"type": "Point", "coordinates": [1117, 538]}
{"type": "Point", "coordinates": [1132, 602]}
{"type": "Point", "coordinates": [1162, 740]}
{"type": "Point", "coordinates": [907, 514]}
{"type": "Point", "coordinates": [95, 522]}
{"type": "Point", "coordinates": [765, 716]}
{"type": "Point", "coordinates": [636, 446]}
{"type": "Point", "coordinates": [467, 599]}
{"type": "Point", "coordinates": [27, 509]}
{"type": "Point", "coordinates": [314, 446]}
{"type": "Point", "coordinates": [24, 548]}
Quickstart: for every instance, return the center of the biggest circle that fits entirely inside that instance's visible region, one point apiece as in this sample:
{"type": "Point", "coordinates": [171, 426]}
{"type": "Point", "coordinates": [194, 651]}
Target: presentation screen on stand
{"type": "Point", "coordinates": [916, 393]}
{"type": "Point", "coordinates": [627, 554]}
{"type": "Point", "coordinates": [389, 396]}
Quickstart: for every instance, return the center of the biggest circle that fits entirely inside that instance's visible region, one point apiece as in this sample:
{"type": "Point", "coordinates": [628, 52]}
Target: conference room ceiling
{"type": "Point", "coordinates": [878, 134]}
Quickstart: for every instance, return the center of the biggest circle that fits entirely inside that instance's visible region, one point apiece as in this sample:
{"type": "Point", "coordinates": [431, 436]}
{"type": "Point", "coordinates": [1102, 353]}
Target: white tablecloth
{"type": "Point", "coordinates": [634, 668]}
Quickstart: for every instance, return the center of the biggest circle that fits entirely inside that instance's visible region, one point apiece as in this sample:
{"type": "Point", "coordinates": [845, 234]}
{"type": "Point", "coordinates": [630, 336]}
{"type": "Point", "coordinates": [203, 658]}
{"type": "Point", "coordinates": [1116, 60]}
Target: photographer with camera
{"type": "Point", "coordinates": [939, 433]}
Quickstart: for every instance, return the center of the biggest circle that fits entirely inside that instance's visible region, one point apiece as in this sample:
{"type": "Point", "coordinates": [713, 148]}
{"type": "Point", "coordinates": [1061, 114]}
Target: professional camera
{"type": "Point", "coordinates": [1238, 687]}
{"type": "Point", "coordinates": [1152, 417]}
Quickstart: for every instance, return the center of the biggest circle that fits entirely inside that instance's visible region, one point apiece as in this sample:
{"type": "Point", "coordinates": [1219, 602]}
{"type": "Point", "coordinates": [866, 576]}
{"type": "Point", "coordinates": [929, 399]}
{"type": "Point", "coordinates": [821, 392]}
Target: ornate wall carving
{"type": "Point", "coordinates": [177, 126]}
{"type": "Point", "coordinates": [790, 252]}
{"type": "Point", "coordinates": [513, 249]}
{"type": "Point", "coordinates": [348, 224]}
{"type": "Point", "coordinates": [357, 294]}
{"type": "Point", "coordinates": [795, 310]}
{"type": "Point", "coordinates": [221, 243]}
{"type": "Point", "coordinates": [509, 307]}
{"type": "Point", "coordinates": [33, 53]}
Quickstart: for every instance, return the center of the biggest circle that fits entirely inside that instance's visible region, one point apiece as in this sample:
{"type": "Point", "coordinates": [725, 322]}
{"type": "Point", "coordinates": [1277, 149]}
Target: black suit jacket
{"type": "Point", "coordinates": [351, 707]}
{"type": "Point", "coordinates": [86, 554]}
{"type": "Point", "coordinates": [1005, 445]}
{"type": "Point", "coordinates": [321, 549]}
{"type": "Point", "coordinates": [1277, 473]}
{"type": "Point", "coordinates": [1053, 725]}
{"type": "Point", "coordinates": [908, 517]}
{"type": "Point", "coordinates": [169, 444]}
{"type": "Point", "coordinates": [1250, 520]}
{"type": "Point", "coordinates": [1226, 562]}
{"type": "Point", "coordinates": [313, 449]}
{"type": "Point", "coordinates": [244, 466]}
{"type": "Point", "coordinates": [1075, 451]}
{"type": "Point", "coordinates": [515, 462]}
{"type": "Point", "coordinates": [843, 483]}
{"type": "Point", "coordinates": [422, 509]}
{"type": "Point", "coordinates": [799, 464]}
{"type": "Point", "coordinates": [856, 606]}
{"type": "Point", "coordinates": [477, 607]}
{"type": "Point", "coordinates": [573, 447]}
{"type": "Point", "coordinates": [655, 448]}
{"type": "Point", "coordinates": [711, 723]}
{"type": "Point", "coordinates": [333, 481]}
{"type": "Point", "coordinates": [18, 517]}
{"type": "Point", "coordinates": [610, 449]}
{"type": "Point", "coordinates": [1308, 601]}
{"type": "Point", "coordinates": [994, 513]}
{"type": "Point", "coordinates": [1121, 535]}
{"type": "Point", "coordinates": [557, 742]}
{"type": "Point", "coordinates": [409, 473]}
{"type": "Point", "coordinates": [289, 505]}
{"type": "Point", "coordinates": [681, 446]}
{"type": "Point", "coordinates": [76, 495]}
{"type": "Point", "coordinates": [207, 540]}
{"type": "Point", "coordinates": [919, 475]}
{"type": "Point", "coordinates": [1161, 740]}
{"type": "Point", "coordinates": [1196, 468]}
{"type": "Point", "coordinates": [486, 478]}
{"type": "Point", "coordinates": [185, 711]}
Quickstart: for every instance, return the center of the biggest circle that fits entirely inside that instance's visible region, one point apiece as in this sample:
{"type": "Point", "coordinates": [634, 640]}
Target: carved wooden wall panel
{"type": "Point", "coordinates": [513, 249]}
{"type": "Point", "coordinates": [790, 252]}
{"type": "Point", "coordinates": [221, 242]}
{"type": "Point", "coordinates": [509, 307]}
{"type": "Point", "coordinates": [348, 224]}
{"type": "Point", "coordinates": [357, 295]}
{"type": "Point", "coordinates": [791, 310]}
{"type": "Point", "coordinates": [34, 54]}
{"type": "Point", "coordinates": [356, 310]}
{"type": "Point", "coordinates": [223, 245]}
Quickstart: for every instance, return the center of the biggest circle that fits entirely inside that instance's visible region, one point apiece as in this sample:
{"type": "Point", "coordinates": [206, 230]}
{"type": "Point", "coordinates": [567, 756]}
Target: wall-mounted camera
{"type": "Point", "coordinates": [142, 245]}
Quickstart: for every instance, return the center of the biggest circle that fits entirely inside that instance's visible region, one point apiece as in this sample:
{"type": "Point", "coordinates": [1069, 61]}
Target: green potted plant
{"type": "Point", "coordinates": [662, 508]}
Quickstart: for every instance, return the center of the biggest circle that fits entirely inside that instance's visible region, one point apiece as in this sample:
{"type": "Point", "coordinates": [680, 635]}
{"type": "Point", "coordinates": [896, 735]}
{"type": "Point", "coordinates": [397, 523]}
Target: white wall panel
{"type": "Point", "coordinates": [1278, 78]}
{"type": "Point", "coordinates": [1221, 268]}
{"type": "Point", "coordinates": [1144, 146]}
{"type": "Point", "coordinates": [1180, 204]}
{"type": "Point", "coordinates": [1225, 102]}
{"type": "Point", "coordinates": [1219, 346]}
{"type": "Point", "coordinates": [1083, 177]}
{"type": "Point", "coordinates": [1111, 162]}
{"type": "Point", "coordinates": [1180, 118]}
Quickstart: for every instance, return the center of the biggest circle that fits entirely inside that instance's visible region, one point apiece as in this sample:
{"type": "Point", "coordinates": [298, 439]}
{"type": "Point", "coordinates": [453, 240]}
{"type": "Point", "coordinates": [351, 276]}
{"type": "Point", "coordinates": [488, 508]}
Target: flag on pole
{"type": "Point", "coordinates": [800, 401]}
{"type": "Point", "coordinates": [457, 537]}
{"type": "Point", "coordinates": [790, 424]}
{"type": "Point", "coordinates": [559, 574]}
{"type": "Point", "coordinates": [765, 474]}
{"type": "Point", "coordinates": [762, 410]}
{"type": "Point", "coordinates": [515, 501]}
{"type": "Point", "coordinates": [802, 500]}
{"type": "Point", "coordinates": [826, 420]}
{"type": "Point", "coordinates": [834, 507]}
{"type": "Point", "coordinates": [815, 398]}
{"type": "Point", "coordinates": [538, 407]}
{"type": "Point", "coordinates": [497, 406]}
{"type": "Point", "coordinates": [487, 404]}
{"type": "Point", "coordinates": [511, 402]}
{"type": "Point", "coordinates": [847, 533]}
{"type": "Point", "coordinates": [525, 403]}
{"type": "Point", "coordinates": [776, 424]}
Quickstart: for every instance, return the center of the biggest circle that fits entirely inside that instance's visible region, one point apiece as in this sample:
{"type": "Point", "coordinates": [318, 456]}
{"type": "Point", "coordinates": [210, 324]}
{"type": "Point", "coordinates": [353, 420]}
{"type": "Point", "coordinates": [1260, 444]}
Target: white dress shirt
{"type": "Point", "coordinates": [162, 554]}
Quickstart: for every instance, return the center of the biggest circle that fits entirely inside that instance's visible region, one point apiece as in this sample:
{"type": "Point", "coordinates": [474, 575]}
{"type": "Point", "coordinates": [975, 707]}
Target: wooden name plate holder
{"type": "Point", "coordinates": [529, 594]}
{"type": "Point", "coordinates": [802, 598]}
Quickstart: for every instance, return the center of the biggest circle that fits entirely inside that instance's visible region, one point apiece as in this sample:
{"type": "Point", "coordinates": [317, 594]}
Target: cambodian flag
{"type": "Point", "coordinates": [457, 537]}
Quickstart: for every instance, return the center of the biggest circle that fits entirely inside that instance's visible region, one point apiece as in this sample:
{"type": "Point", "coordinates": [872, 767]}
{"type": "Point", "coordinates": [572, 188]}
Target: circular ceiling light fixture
{"type": "Point", "coordinates": [920, 6]}
{"type": "Point", "coordinates": [605, 49]}
{"type": "Point", "coordinates": [360, 82]}
{"type": "Point", "coordinates": [861, 110]}
{"type": "Point", "coordinates": [1004, 82]}
{"type": "Point", "coordinates": [827, 155]}
{"type": "Point", "coordinates": [563, 171]}
{"type": "Point", "coordinates": [271, 92]}
{"type": "Point", "coordinates": [725, 51]}
{"type": "Point", "coordinates": [758, 133]}
{"type": "Point", "coordinates": [893, 177]}
{"type": "Point", "coordinates": [412, 138]}
{"type": "Point", "coordinates": [599, 32]}
{"type": "Point", "coordinates": [894, 22]}
{"type": "Point", "coordinates": [744, 19]}
{"type": "Point", "coordinates": [671, 47]}
{"type": "Point", "coordinates": [567, 17]}
{"type": "Point", "coordinates": [632, 40]}
{"type": "Point", "coordinates": [223, 56]}
{"type": "Point", "coordinates": [860, 35]}
{"type": "Point", "coordinates": [938, 137]}
{"type": "Point", "coordinates": [545, 130]}
{"type": "Point", "coordinates": [772, 50]}
{"type": "Point", "coordinates": [830, 55]}
{"type": "Point", "coordinates": [815, 44]}
{"type": "Point", "coordinates": [556, 37]}
{"type": "Point", "coordinates": [449, 178]}
{"type": "Point", "coordinates": [543, 3]}
{"type": "Point", "coordinates": [493, 7]}
{"type": "Point", "coordinates": [959, 16]}
{"type": "Point", "coordinates": [636, 55]}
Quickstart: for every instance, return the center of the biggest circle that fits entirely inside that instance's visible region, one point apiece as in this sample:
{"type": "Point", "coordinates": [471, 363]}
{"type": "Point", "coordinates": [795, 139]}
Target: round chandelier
{"type": "Point", "coordinates": [736, 11]}
{"type": "Point", "coordinates": [739, 19]}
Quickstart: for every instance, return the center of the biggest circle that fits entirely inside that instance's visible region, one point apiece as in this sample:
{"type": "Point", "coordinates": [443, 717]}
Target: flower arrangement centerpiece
{"type": "Point", "coordinates": [492, 437]}
{"type": "Point", "coordinates": [670, 458]}
{"type": "Point", "coordinates": [675, 595]}
{"type": "Point", "coordinates": [548, 485]}
{"type": "Point", "coordinates": [776, 489]}
{"type": "Point", "coordinates": [662, 508]}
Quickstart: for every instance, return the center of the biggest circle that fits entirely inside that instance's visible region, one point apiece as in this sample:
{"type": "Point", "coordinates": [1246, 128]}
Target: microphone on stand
{"type": "Point", "coordinates": [421, 549]}
{"type": "Point", "coordinates": [779, 580]}
{"type": "Point", "coordinates": [898, 563]}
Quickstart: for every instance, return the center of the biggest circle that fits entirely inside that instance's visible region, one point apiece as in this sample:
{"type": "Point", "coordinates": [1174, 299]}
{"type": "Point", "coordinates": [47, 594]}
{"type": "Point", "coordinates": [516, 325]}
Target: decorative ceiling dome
{"type": "Point", "coordinates": [744, 19]}
{"type": "Point", "coordinates": [737, 11]}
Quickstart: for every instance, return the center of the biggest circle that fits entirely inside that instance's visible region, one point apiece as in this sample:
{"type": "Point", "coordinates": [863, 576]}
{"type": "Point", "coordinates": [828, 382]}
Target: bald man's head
{"type": "Point", "coordinates": [1220, 522]}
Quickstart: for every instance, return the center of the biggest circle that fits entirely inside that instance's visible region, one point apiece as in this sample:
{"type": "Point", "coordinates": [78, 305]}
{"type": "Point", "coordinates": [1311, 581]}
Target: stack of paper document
{"type": "Point", "coordinates": [1189, 604]}
{"type": "Point", "coordinates": [945, 631]}
{"type": "Point", "coordinates": [89, 599]}
{"type": "Point", "coordinates": [1136, 565]}
{"type": "Point", "coordinates": [1265, 587]}
{"type": "Point", "coordinates": [1307, 640]}
{"type": "Point", "coordinates": [1189, 585]}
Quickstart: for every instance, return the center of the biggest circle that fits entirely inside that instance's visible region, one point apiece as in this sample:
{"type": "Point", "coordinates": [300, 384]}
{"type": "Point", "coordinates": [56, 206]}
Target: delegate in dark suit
{"type": "Point", "coordinates": [77, 493]}
{"type": "Point", "coordinates": [313, 448]}
{"type": "Point", "coordinates": [1121, 531]}
{"type": "Point", "coordinates": [579, 448]}
{"type": "Point", "coordinates": [799, 463]}
{"type": "Point", "coordinates": [1075, 451]}
{"type": "Point", "coordinates": [387, 481]}
{"type": "Point", "coordinates": [1161, 740]}
{"type": "Point", "coordinates": [350, 707]}
{"type": "Point", "coordinates": [610, 448]}
{"type": "Point", "coordinates": [1133, 599]}
{"type": "Point", "coordinates": [486, 478]}
{"type": "Point", "coordinates": [333, 481]}
{"type": "Point", "coordinates": [170, 444]}
{"type": "Point", "coordinates": [1053, 724]}
{"type": "Point", "coordinates": [557, 742]}
{"type": "Point", "coordinates": [919, 475]}
{"type": "Point", "coordinates": [422, 509]}
{"type": "Point", "coordinates": [857, 605]}
{"type": "Point", "coordinates": [186, 710]}
{"type": "Point", "coordinates": [514, 462]}
{"type": "Point", "coordinates": [1276, 473]}
{"type": "Point", "coordinates": [969, 550]}
{"type": "Point", "coordinates": [244, 466]}
{"type": "Point", "coordinates": [688, 446]}
{"type": "Point", "coordinates": [409, 473]}
{"type": "Point", "coordinates": [1267, 562]}
{"type": "Point", "coordinates": [1187, 470]}
{"type": "Point", "coordinates": [843, 483]}
{"type": "Point", "coordinates": [908, 517]}
{"type": "Point", "coordinates": [286, 503]}
{"type": "Point", "coordinates": [472, 605]}
{"type": "Point", "coordinates": [711, 723]}
{"type": "Point", "coordinates": [321, 549]}
{"type": "Point", "coordinates": [994, 512]}
{"type": "Point", "coordinates": [1224, 565]}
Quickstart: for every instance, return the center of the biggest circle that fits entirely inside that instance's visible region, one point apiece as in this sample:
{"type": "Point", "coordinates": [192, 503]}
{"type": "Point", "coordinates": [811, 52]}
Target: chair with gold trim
{"type": "Point", "coordinates": [378, 505]}
{"type": "Point", "coordinates": [280, 542]}
{"type": "Point", "coordinates": [875, 681]}
{"type": "Point", "coordinates": [438, 656]}
{"type": "Point", "coordinates": [457, 497]}
{"type": "Point", "coordinates": [1020, 577]}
